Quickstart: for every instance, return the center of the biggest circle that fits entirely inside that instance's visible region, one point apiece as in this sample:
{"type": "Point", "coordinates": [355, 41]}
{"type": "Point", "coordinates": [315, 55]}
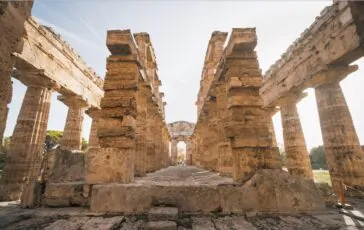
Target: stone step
{"type": "Point", "coordinates": [163, 213]}
{"type": "Point", "coordinates": [161, 225]}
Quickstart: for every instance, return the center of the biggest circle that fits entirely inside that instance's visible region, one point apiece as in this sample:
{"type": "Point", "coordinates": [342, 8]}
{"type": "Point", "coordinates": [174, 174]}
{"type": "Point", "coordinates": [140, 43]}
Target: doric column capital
{"type": "Point", "coordinates": [332, 74]}
{"type": "Point", "coordinates": [93, 112]}
{"type": "Point", "coordinates": [292, 98]}
{"type": "Point", "coordinates": [73, 101]}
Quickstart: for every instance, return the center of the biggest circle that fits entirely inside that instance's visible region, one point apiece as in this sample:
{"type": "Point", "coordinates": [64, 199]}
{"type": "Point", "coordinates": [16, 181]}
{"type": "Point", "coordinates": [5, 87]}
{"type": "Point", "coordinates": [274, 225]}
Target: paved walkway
{"type": "Point", "coordinates": [183, 175]}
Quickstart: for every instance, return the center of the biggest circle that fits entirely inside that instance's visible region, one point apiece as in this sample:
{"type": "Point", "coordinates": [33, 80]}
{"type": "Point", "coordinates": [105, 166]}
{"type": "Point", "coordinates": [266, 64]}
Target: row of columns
{"type": "Point", "coordinates": [344, 156]}
{"type": "Point", "coordinates": [24, 162]}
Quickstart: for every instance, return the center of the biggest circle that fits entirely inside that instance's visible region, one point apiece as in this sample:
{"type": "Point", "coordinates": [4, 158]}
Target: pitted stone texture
{"type": "Point", "coordinates": [202, 223]}
{"type": "Point", "coordinates": [233, 222]}
{"type": "Point", "coordinates": [103, 223]}
{"type": "Point", "coordinates": [108, 165]}
{"type": "Point", "coordinates": [344, 155]}
{"type": "Point", "coordinates": [71, 224]}
{"type": "Point", "coordinates": [161, 225]}
{"type": "Point", "coordinates": [64, 195]}
{"type": "Point", "coordinates": [72, 135]}
{"type": "Point", "coordinates": [65, 166]}
{"type": "Point", "coordinates": [297, 158]}
{"type": "Point", "coordinates": [192, 190]}
{"type": "Point", "coordinates": [163, 213]}
{"type": "Point", "coordinates": [25, 158]}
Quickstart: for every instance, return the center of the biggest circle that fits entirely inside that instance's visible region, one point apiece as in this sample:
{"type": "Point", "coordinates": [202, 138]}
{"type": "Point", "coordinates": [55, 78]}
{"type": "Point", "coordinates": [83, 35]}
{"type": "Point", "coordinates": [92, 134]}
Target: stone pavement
{"type": "Point", "coordinates": [12, 217]}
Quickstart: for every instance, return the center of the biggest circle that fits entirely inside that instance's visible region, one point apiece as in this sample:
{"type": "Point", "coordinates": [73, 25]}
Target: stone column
{"type": "Point", "coordinates": [344, 156]}
{"type": "Point", "coordinates": [72, 135]}
{"type": "Point", "coordinates": [174, 152]}
{"type": "Point", "coordinates": [26, 152]}
{"type": "Point", "coordinates": [114, 160]}
{"type": "Point", "coordinates": [225, 158]}
{"type": "Point", "coordinates": [93, 140]}
{"type": "Point", "coordinates": [141, 132]}
{"type": "Point", "coordinates": [12, 17]}
{"type": "Point", "coordinates": [189, 152]}
{"type": "Point", "coordinates": [6, 91]}
{"type": "Point", "coordinates": [297, 158]}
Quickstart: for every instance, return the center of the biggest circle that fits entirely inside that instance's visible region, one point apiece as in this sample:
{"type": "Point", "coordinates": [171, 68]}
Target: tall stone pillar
{"type": "Point", "coordinates": [114, 160]}
{"type": "Point", "coordinates": [297, 158]}
{"type": "Point", "coordinates": [93, 140]}
{"type": "Point", "coordinates": [189, 152]}
{"type": "Point", "coordinates": [26, 151]}
{"type": "Point", "coordinates": [225, 158]}
{"type": "Point", "coordinates": [248, 123]}
{"type": "Point", "coordinates": [174, 152]}
{"type": "Point", "coordinates": [344, 156]}
{"type": "Point", "coordinates": [12, 17]}
{"type": "Point", "coordinates": [141, 132]}
{"type": "Point", "coordinates": [72, 135]}
{"type": "Point", "coordinates": [6, 91]}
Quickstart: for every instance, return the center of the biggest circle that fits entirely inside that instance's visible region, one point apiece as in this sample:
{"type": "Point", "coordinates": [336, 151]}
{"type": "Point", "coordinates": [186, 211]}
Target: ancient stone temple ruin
{"type": "Point", "coordinates": [233, 162]}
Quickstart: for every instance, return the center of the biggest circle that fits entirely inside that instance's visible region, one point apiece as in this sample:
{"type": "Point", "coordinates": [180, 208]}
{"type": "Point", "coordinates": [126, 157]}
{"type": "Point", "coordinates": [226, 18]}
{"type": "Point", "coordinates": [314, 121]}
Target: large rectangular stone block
{"type": "Point", "coordinates": [65, 195]}
{"type": "Point", "coordinates": [108, 165]}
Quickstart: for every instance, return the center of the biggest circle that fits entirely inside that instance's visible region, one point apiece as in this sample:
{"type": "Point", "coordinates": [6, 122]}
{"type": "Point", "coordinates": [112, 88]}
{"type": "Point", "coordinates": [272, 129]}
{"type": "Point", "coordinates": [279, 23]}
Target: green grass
{"type": "Point", "coordinates": [322, 176]}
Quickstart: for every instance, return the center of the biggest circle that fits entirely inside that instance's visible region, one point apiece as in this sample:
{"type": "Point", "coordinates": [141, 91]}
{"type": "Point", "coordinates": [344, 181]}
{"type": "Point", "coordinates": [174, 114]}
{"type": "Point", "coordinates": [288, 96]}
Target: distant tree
{"type": "Point", "coordinates": [84, 144]}
{"type": "Point", "coordinates": [4, 150]}
{"type": "Point", "coordinates": [52, 138]}
{"type": "Point", "coordinates": [318, 158]}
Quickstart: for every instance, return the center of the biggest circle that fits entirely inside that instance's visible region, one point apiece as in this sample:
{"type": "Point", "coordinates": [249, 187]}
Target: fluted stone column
{"type": "Point", "coordinates": [174, 152]}
{"type": "Point", "coordinates": [24, 161]}
{"type": "Point", "coordinates": [189, 152]}
{"type": "Point", "coordinates": [12, 17]}
{"type": "Point", "coordinates": [93, 140]}
{"type": "Point", "coordinates": [344, 156]}
{"type": "Point", "coordinates": [72, 135]}
{"type": "Point", "coordinates": [297, 158]}
{"type": "Point", "coordinates": [6, 91]}
{"type": "Point", "coordinates": [141, 132]}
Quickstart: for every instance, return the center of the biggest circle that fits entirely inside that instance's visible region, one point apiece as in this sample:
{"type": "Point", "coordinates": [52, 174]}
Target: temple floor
{"type": "Point", "coordinates": [183, 175]}
{"type": "Point", "coordinates": [12, 217]}
{"type": "Point", "coordinates": [185, 180]}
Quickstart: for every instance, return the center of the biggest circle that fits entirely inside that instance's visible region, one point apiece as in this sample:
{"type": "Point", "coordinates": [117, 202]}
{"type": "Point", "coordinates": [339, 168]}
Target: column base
{"type": "Point", "coordinates": [11, 192]}
{"type": "Point", "coordinates": [31, 196]}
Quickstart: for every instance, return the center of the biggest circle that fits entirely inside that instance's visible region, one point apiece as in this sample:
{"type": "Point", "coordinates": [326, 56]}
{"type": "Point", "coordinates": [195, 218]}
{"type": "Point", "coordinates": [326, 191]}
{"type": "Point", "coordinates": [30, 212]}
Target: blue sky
{"type": "Point", "coordinates": [180, 31]}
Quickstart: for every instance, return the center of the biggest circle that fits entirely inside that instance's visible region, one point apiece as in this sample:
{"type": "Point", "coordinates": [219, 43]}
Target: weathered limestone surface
{"type": "Point", "coordinates": [193, 191]}
{"type": "Point", "coordinates": [65, 166]}
{"type": "Point", "coordinates": [114, 160]}
{"type": "Point", "coordinates": [334, 39]}
{"type": "Point", "coordinates": [72, 135]}
{"type": "Point", "coordinates": [248, 123]}
{"type": "Point", "coordinates": [93, 140]}
{"type": "Point", "coordinates": [24, 161]}
{"type": "Point", "coordinates": [344, 155]}
{"type": "Point", "coordinates": [58, 62]}
{"type": "Point", "coordinates": [12, 17]}
{"type": "Point", "coordinates": [297, 158]}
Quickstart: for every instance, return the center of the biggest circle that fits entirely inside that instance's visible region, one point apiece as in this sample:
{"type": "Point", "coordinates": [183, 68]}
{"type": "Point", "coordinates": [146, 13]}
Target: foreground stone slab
{"type": "Point", "coordinates": [163, 213]}
{"type": "Point", "coordinates": [162, 225]}
{"type": "Point", "coordinates": [267, 191]}
{"type": "Point", "coordinates": [234, 222]}
{"type": "Point", "coordinates": [65, 195]}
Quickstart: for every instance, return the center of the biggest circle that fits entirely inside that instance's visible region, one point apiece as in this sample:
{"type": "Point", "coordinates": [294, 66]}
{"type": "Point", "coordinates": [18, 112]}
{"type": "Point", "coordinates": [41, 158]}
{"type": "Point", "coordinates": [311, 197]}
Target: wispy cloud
{"type": "Point", "coordinates": [69, 34]}
{"type": "Point", "coordinates": [92, 30]}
